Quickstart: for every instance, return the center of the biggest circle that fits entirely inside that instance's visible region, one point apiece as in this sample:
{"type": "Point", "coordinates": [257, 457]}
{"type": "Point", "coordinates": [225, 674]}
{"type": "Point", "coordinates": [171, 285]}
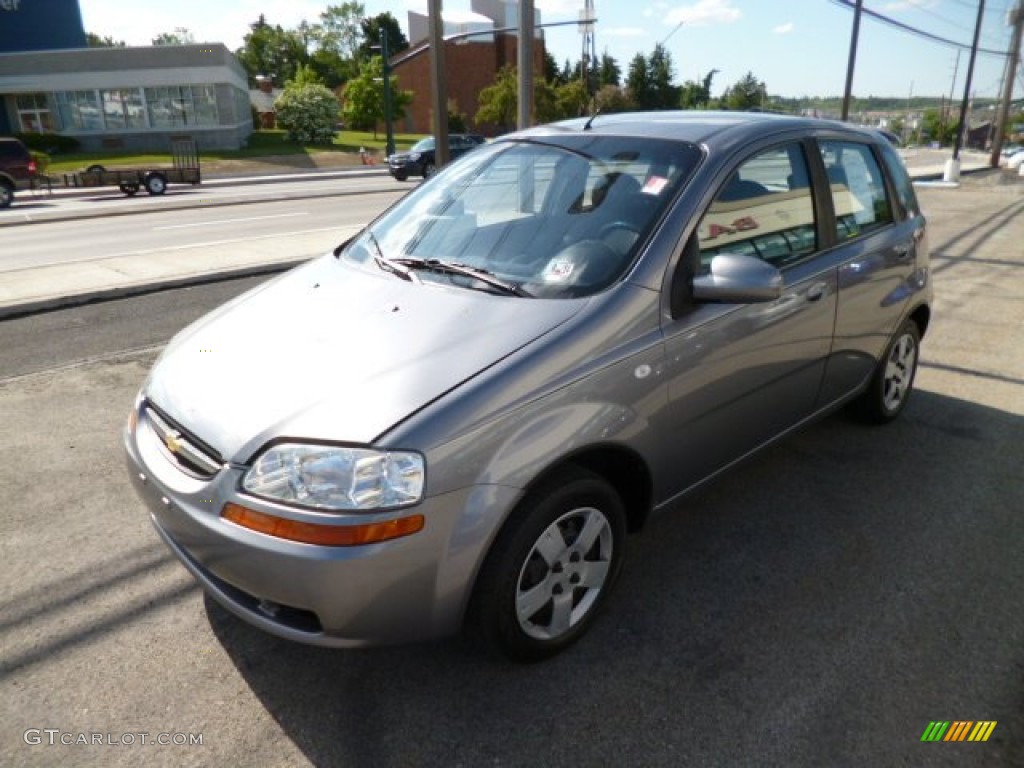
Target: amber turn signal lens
{"type": "Point", "coordinates": [324, 535]}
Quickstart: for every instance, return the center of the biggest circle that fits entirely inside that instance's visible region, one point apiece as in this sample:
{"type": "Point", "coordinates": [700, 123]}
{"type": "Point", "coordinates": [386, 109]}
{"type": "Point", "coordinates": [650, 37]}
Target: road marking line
{"type": "Point", "coordinates": [231, 221]}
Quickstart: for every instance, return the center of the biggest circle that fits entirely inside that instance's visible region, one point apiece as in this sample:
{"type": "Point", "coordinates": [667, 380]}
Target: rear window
{"type": "Point", "coordinates": [13, 149]}
{"type": "Point", "coordinates": [901, 181]}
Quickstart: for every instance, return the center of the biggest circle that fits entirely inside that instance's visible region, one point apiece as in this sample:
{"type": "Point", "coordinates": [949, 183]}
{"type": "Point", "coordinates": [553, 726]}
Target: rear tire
{"type": "Point", "coordinates": [893, 379]}
{"type": "Point", "coordinates": [428, 170]}
{"type": "Point", "coordinates": [551, 568]}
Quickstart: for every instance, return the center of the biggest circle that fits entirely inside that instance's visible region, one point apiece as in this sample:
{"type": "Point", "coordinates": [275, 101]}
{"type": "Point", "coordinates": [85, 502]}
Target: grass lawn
{"type": "Point", "coordinates": [261, 144]}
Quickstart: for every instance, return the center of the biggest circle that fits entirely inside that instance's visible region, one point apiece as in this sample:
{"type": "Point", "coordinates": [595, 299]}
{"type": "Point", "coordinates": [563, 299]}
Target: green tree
{"type": "Point", "coordinates": [180, 36]}
{"type": "Point", "coordinates": [308, 111]}
{"type": "Point", "coordinates": [660, 74]}
{"type": "Point", "coordinates": [697, 95]}
{"type": "Point", "coordinates": [270, 50]}
{"type": "Point", "coordinates": [572, 99]}
{"type": "Point", "coordinates": [551, 72]}
{"type": "Point", "coordinates": [340, 29]}
{"type": "Point", "coordinates": [498, 103]}
{"type": "Point", "coordinates": [936, 126]}
{"type": "Point", "coordinates": [371, 29]}
{"type": "Point", "coordinates": [748, 92]}
{"type": "Point", "coordinates": [363, 98]}
{"type": "Point", "coordinates": [95, 41]}
{"type": "Point", "coordinates": [612, 98]}
{"type": "Point", "coordinates": [638, 83]}
{"type": "Point", "coordinates": [609, 71]}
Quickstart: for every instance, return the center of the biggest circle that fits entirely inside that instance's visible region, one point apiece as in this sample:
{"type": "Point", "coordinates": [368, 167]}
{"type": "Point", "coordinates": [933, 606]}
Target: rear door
{"type": "Point", "coordinates": [877, 229]}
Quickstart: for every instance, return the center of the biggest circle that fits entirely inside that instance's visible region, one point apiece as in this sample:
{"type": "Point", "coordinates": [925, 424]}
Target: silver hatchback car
{"type": "Point", "coordinates": [454, 418]}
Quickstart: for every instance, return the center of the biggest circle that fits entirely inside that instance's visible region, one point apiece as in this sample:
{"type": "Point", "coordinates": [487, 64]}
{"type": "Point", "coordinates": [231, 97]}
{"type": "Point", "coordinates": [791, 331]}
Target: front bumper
{"type": "Point", "coordinates": [407, 589]}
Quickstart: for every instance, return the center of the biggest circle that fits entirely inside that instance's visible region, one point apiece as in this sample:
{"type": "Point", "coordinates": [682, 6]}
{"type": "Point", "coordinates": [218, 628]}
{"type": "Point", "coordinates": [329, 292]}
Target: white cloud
{"type": "Point", "coordinates": [908, 5]}
{"type": "Point", "coordinates": [704, 12]}
{"type": "Point", "coordinates": [783, 29]}
{"type": "Point", "coordinates": [624, 32]}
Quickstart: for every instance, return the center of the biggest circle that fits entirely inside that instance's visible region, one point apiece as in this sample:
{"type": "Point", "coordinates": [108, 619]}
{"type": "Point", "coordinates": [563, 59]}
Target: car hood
{"type": "Point", "coordinates": [335, 351]}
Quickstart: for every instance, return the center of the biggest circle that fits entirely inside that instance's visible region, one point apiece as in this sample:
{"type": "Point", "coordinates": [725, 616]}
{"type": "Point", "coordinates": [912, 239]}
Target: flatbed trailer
{"type": "Point", "coordinates": [184, 170]}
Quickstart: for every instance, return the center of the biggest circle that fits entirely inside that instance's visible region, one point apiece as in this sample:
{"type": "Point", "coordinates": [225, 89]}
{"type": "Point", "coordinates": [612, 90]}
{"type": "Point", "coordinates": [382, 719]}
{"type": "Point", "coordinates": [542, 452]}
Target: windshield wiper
{"type": "Point", "coordinates": [455, 268]}
{"type": "Point", "coordinates": [390, 265]}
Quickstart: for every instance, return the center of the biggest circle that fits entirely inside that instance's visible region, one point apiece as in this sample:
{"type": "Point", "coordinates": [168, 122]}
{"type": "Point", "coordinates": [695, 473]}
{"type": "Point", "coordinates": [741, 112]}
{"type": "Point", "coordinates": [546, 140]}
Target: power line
{"type": "Point", "coordinates": [849, 5]}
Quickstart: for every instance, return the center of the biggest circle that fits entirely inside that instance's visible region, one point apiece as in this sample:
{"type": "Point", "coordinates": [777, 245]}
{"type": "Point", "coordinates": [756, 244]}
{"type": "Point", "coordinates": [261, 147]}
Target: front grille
{"type": "Point", "coordinates": [190, 454]}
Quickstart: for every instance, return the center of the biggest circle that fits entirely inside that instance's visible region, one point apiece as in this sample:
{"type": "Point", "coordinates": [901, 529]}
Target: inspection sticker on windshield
{"type": "Point", "coordinates": [558, 270]}
{"type": "Point", "coordinates": [654, 185]}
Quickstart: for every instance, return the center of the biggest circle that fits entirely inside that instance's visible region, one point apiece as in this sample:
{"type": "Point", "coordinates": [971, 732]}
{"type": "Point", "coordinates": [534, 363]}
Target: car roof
{"type": "Point", "coordinates": [698, 127]}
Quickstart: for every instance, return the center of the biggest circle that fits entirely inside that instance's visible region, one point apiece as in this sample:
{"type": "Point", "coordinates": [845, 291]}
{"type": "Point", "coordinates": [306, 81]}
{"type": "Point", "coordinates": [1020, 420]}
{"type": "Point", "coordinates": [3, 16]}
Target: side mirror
{"type": "Point", "coordinates": [738, 279]}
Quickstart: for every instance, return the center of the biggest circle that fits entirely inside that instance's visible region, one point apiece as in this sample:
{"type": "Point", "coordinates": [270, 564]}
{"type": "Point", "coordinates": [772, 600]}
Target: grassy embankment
{"type": "Point", "coordinates": [261, 144]}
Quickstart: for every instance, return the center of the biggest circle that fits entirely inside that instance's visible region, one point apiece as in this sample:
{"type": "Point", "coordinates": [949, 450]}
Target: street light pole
{"type": "Point", "coordinates": [389, 148]}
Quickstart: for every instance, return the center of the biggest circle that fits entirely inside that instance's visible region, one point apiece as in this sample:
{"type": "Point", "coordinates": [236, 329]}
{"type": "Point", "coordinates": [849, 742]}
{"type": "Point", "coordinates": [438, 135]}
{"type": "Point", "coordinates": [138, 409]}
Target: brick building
{"type": "Point", "coordinates": [471, 63]}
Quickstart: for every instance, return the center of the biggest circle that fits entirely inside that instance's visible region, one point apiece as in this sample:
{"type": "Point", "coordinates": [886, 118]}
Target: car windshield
{"type": "Point", "coordinates": [423, 145]}
{"type": "Point", "coordinates": [554, 217]}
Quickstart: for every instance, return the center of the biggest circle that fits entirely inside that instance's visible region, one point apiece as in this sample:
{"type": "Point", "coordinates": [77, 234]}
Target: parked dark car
{"type": "Point", "coordinates": [420, 159]}
{"type": "Point", "coordinates": [17, 169]}
{"type": "Point", "coordinates": [455, 417]}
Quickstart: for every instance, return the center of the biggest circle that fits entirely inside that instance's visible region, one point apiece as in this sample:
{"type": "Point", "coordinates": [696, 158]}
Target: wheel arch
{"type": "Point", "coordinates": [921, 317]}
{"type": "Point", "coordinates": [623, 468]}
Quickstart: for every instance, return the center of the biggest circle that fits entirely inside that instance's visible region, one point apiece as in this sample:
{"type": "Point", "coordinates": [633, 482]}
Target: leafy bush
{"type": "Point", "coordinates": [308, 113]}
{"type": "Point", "coordinates": [53, 143]}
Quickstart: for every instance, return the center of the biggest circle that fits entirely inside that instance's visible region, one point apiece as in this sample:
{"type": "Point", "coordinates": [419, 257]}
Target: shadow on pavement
{"type": "Point", "coordinates": [817, 606]}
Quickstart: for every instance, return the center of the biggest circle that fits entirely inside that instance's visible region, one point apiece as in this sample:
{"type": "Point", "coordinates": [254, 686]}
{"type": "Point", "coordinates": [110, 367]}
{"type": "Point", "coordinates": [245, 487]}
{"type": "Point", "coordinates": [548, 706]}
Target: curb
{"type": "Point", "coordinates": [41, 306]}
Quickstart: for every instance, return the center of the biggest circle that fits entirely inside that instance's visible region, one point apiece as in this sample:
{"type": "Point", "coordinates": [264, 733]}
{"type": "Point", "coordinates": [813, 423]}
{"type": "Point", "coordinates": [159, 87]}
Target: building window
{"type": "Point", "coordinates": [182, 105]}
{"type": "Point", "coordinates": [34, 113]}
{"type": "Point", "coordinates": [79, 110]}
{"type": "Point", "coordinates": [123, 108]}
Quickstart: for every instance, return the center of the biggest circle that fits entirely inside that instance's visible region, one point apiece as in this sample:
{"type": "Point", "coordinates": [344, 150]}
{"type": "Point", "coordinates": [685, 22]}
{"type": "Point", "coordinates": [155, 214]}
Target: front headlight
{"type": "Point", "coordinates": [334, 477]}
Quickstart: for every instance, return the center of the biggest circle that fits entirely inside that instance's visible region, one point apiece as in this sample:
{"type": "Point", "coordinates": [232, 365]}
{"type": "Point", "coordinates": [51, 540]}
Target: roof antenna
{"type": "Point", "coordinates": [586, 125]}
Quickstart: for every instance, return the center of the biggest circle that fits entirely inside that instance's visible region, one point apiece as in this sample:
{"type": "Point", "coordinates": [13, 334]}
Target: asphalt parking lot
{"type": "Point", "coordinates": [819, 606]}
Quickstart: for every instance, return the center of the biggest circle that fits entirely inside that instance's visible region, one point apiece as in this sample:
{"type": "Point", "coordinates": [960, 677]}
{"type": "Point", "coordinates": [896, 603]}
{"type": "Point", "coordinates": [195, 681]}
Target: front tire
{"type": "Point", "coordinates": [551, 568]}
{"type": "Point", "coordinates": [6, 194]}
{"type": "Point", "coordinates": [893, 379]}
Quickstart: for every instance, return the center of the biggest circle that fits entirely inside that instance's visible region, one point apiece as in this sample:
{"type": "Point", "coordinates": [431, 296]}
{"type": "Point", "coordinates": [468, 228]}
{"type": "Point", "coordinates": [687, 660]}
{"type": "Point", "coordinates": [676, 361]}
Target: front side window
{"type": "Point", "coordinates": [557, 217]}
{"type": "Point", "coordinates": [764, 210]}
{"type": "Point", "coordinates": [858, 188]}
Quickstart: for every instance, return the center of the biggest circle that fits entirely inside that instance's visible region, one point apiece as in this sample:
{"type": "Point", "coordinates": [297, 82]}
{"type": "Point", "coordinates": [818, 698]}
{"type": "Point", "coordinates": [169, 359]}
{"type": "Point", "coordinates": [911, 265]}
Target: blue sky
{"type": "Point", "coordinates": [798, 47]}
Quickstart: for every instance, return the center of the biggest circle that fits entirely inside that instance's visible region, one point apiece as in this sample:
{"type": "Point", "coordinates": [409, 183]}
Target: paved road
{"type": "Point", "coordinates": [296, 228]}
{"type": "Point", "coordinates": [818, 607]}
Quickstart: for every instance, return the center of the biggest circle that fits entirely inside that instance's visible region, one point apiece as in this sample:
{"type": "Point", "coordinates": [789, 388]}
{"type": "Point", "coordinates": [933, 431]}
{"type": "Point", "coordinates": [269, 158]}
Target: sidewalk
{"type": "Point", "coordinates": [27, 291]}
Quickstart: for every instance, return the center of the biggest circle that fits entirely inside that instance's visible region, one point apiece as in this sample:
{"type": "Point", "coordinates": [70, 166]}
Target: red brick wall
{"type": "Point", "coordinates": [471, 67]}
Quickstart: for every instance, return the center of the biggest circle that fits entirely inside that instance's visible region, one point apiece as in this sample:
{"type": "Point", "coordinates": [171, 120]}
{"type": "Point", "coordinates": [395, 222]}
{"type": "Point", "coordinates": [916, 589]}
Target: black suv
{"type": "Point", "coordinates": [419, 160]}
{"type": "Point", "coordinates": [17, 169]}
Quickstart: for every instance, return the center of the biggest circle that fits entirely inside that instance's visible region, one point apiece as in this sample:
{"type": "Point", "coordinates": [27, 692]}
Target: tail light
{"type": "Point", "coordinates": [32, 167]}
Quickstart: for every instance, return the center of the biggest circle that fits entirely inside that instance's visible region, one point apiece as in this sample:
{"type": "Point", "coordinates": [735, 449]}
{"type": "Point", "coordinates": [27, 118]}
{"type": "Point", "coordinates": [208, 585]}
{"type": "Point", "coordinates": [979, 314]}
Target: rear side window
{"type": "Point", "coordinates": [901, 182]}
{"type": "Point", "coordinates": [765, 210]}
{"type": "Point", "coordinates": [858, 188]}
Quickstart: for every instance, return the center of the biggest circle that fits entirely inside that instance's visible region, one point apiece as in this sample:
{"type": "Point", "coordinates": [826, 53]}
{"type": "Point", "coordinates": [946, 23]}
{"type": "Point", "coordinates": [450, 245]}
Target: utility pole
{"type": "Point", "coordinates": [952, 87]}
{"type": "Point", "coordinates": [853, 59]}
{"type": "Point", "coordinates": [438, 83]}
{"type": "Point", "coordinates": [389, 147]}
{"type": "Point", "coordinates": [952, 171]}
{"type": "Point", "coordinates": [525, 57]}
{"type": "Point", "coordinates": [1016, 18]}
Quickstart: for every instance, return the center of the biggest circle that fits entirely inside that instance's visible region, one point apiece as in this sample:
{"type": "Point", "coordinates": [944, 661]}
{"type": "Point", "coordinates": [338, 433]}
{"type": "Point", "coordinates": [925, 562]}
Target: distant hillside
{"type": "Point", "coordinates": [834, 104]}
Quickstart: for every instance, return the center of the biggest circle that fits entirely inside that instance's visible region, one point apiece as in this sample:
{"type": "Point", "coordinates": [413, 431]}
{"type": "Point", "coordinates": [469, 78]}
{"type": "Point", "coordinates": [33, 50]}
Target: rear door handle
{"type": "Point", "coordinates": [902, 250]}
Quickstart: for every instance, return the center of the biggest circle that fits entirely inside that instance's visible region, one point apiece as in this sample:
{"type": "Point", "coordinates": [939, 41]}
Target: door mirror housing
{"type": "Point", "coordinates": [738, 279]}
